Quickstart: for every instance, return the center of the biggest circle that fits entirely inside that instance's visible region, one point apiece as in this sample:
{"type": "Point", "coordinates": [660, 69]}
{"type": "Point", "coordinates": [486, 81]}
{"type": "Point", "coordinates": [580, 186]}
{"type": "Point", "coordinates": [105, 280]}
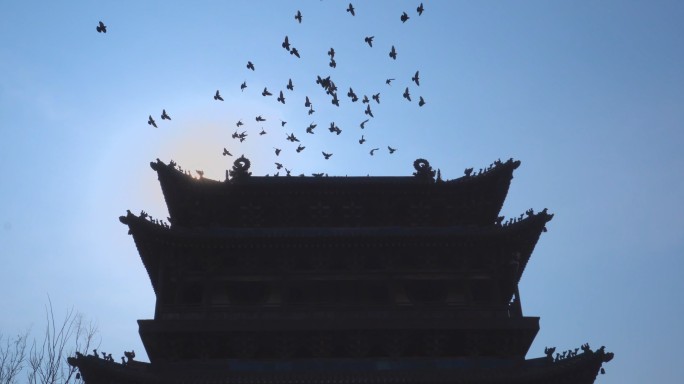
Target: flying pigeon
{"type": "Point", "coordinates": [389, 81]}
{"type": "Point", "coordinates": [326, 155]}
{"type": "Point", "coordinates": [286, 44]}
{"type": "Point", "coordinates": [404, 17]}
{"type": "Point", "coordinates": [421, 102]}
{"type": "Point", "coordinates": [363, 124]}
{"type": "Point", "coordinates": [250, 65]}
{"type": "Point", "coordinates": [300, 148]}
{"type": "Point", "coordinates": [277, 151]}
{"type": "Point", "coordinates": [298, 17]}
{"type": "Point", "coordinates": [266, 92]}
{"type": "Point", "coordinates": [391, 150]}
{"type": "Point", "coordinates": [407, 95]}
{"type": "Point", "coordinates": [243, 86]}
{"type": "Point", "coordinates": [281, 98]}
{"type": "Point", "coordinates": [376, 97]}
{"type": "Point", "coordinates": [420, 9]}
{"type": "Point", "coordinates": [259, 118]}
{"type": "Point", "coordinates": [369, 40]}
{"type": "Point", "coordinates": [289, 85]}
{"type": "Point", "coordinates": [295, 52]}
{"type": "Point", "coordinates": [164, 115]}
{"type": "Point", "coordinates": [101, 28]}
{"type": "Point", "coordinates": [368, 111]}
{"type": "Point", "coordinates": [416, 78]}
{"type": "Point", "coordinates": [150, 121]}
{"type": "Point", "coordinates": [217, 96]}
{"type": "Point", "coordinates": [393, 53]}
{"type": "Point", "coordinates": [226, 153]}
{"type": "Point", "coordinates": [350, 9]}
{"type": "Point", "coordinates": [362, 140]}
{"type": "Point", "coordinates": [372, 151]}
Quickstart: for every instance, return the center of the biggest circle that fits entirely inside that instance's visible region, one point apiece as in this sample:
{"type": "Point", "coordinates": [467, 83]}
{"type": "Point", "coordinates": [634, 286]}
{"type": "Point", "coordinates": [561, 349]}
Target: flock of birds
{"type": "Point", "coordinates": [326, 83]}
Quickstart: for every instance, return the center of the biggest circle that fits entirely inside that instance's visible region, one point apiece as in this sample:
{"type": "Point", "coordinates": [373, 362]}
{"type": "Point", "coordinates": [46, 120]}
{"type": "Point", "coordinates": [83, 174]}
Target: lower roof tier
{"type": "Point", "coordinates": [329, 338]}
{"type": "Point", "coordinates": [252, 201]}
{"type": "Point", "coordinates": [581, 368]}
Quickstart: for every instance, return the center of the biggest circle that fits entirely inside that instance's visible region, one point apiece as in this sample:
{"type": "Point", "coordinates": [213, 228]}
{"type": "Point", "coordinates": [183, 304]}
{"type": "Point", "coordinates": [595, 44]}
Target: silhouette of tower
{"type": "Point", "coordinates": [339, 280]}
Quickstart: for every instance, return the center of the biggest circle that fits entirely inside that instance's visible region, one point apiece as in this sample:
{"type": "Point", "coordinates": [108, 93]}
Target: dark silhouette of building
{"type": "Point", "coordinates": [279, 280]}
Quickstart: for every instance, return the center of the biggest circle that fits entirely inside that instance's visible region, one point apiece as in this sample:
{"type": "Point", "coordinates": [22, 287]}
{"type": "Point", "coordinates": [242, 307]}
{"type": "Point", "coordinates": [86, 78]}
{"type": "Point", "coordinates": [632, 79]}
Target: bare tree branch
{"type": "Point", "coordinates": [12, 357]}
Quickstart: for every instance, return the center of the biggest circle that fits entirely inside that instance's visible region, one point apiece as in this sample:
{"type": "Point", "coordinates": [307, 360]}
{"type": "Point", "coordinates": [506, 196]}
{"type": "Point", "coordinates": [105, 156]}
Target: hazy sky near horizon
{"type": "Point", "coordinates": [588, 95]}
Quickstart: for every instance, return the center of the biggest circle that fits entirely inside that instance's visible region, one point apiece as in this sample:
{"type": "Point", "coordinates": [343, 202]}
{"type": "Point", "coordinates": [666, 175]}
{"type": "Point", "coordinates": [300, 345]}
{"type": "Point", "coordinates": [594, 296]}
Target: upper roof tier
{"type": "Point", "coordinates": [243, 200]}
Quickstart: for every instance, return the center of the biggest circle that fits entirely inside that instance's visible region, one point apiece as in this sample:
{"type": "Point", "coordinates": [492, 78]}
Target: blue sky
{"type": "Point", "coordinates": [588, 95]}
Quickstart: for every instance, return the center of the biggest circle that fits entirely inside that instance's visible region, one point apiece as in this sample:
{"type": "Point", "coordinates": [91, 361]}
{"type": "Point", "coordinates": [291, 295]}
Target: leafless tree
{"type": "Point", "coordinates": [12, 357]}
{"type": "Point", "coordinates": [44, 361]}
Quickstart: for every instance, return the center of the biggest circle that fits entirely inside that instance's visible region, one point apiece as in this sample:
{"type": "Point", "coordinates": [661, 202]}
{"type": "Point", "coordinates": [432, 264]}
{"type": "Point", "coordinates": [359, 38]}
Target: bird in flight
{"type": "Point", "coordinates": [217, 96]}
{"type": "Point", "coordinates": [259, 118]}
{"type": "Point", "coordinates": [263, 132]}
{"type": "Point", "coordinates": [250, 65]}
{"type": "Point", "coordinates": [365, 99]}
{"type": "Point", "coordinates": [311, 111]}
{"type": "Point", "coordinates": [376, 97]}
{"type": "Point", "coordinates": [289, 85]}
{"type": "Point", "coordinates": [243, 86]}
{"type": "Point", "coordinates": [334, 128]}
{"type": "Point", "coordinates": [298, 17]}
{"type": "Point", "coordinates": [266, 92]}
{"type": "Point", "coordinates": [307, 103]}
{"type": "Point", "coordinates": [391, 150]}
{"type": "Point", "coordinates": [372, 151]}
{"type": "Point", "coordinates": [404, 17]}
{"type": "Point", "coordinates": [310, 128]}
{"type": "Point", "coordinates": [295, 52]}
{"type": "Point", "coordinates": [353, 96]}
{"type": "Point", "coordinates": [300, 148]}
{"type": "Point", "coordinates": [407, 95]}
{"type": "Point", "coordinates": [362, 140]}
{"type": "Point", "coordinates": [363, 124]}
{"type": "Point", "coordinates": [389, 81]}
{"type": "Point", "coordinates": [420, 9]}
{"type": "Point", "coordinates": [331, 53]}
{"type": "Point", "coordinates": [277, 151]}
{"type": "Point", "coordinates": [278, 166]}
{"type": "Point", "coordinates": [350, 9]}
{"type": "Point", "coordinates": [416, 78]}
{"type": "Point", "coordinates": [369, 40]}
{"type": "Point", "coordinates": [421, 102]}
{"type": "Point", "coordinates": [326, 155]}
{"type": "Point", "coordinates": [226, 153]}
{"type": "Point", "coordinates": [393, 53]}
{"type": "Point", "coordinates": [286, 44]}
{"type": "Point", "coordinates": [281, 98]}
{"type": "Point", "coordinates": [150, 121]}
{"type": "Point", "coordinates": [101, 28]}
{"type": "Point", "coordinates": [333, 63]}
{"type": "Point", "coordinates": [335, 100]}
{"type": "Point", "coordinates": [239, 123]}
{"type": "Point", "coordinates": [291, 137]}
{"type": "Point", "coordinates": [282, 123]}
{"type": "Point", "coordinates": [164, 115]}
{"type": "Point", "coordinates": [368, 111]}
